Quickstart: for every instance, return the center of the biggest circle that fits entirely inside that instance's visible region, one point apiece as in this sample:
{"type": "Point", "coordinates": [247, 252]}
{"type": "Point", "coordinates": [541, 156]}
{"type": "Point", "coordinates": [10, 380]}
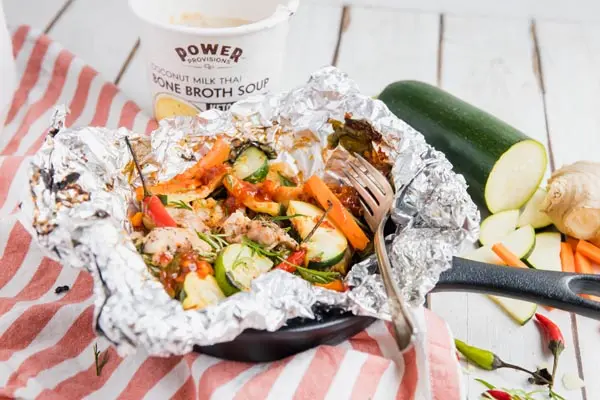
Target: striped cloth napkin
{"type": "Point", "coordinates": [47, 340]}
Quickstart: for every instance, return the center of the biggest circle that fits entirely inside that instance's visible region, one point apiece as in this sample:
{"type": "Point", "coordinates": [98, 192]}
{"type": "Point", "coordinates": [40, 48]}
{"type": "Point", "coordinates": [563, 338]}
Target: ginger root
{"type": "Point", "coordinates": [573, 200]}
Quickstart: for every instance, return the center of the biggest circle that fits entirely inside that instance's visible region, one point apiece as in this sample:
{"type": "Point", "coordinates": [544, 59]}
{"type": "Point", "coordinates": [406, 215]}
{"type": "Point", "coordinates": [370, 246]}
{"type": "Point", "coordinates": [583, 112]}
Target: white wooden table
{"type": "Point", "coordinates": [533, 63]}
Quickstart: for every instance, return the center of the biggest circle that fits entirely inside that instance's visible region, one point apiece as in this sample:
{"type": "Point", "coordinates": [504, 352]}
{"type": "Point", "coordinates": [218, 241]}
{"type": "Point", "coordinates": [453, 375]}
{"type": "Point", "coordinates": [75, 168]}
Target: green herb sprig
{"type": "Point", "coordinates": [180, 204]}
{"type": "Point", "coordinates": [321, 277]}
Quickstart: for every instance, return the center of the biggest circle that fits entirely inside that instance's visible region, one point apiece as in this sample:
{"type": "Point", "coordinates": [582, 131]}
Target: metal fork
{"type": "Point", "coordinates": [377, 196]}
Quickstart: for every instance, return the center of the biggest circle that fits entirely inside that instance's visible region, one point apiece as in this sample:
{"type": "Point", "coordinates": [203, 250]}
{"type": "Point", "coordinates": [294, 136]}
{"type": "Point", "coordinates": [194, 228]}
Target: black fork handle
{"type": "Point", "coordinates": [554, 289]}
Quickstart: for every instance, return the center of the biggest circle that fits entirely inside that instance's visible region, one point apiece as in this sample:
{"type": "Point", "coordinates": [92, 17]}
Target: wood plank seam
{"type": "Point", "coordinates": [344, 24]}
{"type": "Point", "coordinates": [59, 14]}
{"type": "Point", "coordinates": [440, 53]}
{"type": "Point", "coordinates": [127, 62]}
{"type": "Point", "coordinates": [538, 70]}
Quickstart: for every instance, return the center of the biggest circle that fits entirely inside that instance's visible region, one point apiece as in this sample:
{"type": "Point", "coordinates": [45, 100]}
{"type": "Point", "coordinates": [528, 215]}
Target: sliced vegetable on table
{"type": "Point", "coordinates": [546, 253]}
{"type": "Point", "coordinates": [503, 166]}
{"type": "Point", "coordinates": [497, 226]}
{"type": "Point", "coordinates": [520, 242]}
{"type": "Point", "coordinates": [533, 214]}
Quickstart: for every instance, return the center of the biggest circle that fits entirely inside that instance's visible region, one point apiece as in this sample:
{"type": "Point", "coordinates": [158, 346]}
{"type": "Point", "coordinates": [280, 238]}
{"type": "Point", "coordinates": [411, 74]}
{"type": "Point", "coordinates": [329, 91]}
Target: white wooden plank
{"type": "Point", "coordinates": [35, 13]}
{"type": "Point", "coordinates": [134, 83]}
{"type": "Point", "coordinates": [382, 46]}
{"type": "Point", "coordinates": [102, 33]}
{"type": "Point", "coordinates": [311, 42]}
{"type": "Point", "coordinates": [561, 10]}
{"type": "Point", "coordinates": [488, 62]}
{"type": "Point", "coordinates": [570, 62]}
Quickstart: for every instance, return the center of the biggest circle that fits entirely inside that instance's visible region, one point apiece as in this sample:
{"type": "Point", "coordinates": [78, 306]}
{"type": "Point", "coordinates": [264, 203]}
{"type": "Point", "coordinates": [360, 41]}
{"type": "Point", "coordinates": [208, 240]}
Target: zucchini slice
{"type": "Point", "coordinates": [237, 266]}
{"type": "Point", "coordinates": [252, 165]}
{"type": "Point", "coordinates": [200, 293]}
{"type": "Point", "coordinates": [519, 242]}
{"type": "Point", "coordinates": [328, 245]}
{"type": "Point", "coordinates": [532, 214]}
{"type": "Point", "coordinates": [497, 226]}
{"type": "Point", "coordinates": [546, 253]}
{"type": "Point", "coordinates": [502, 166]}
{"type": "Point", "coordinates": [519, 310]}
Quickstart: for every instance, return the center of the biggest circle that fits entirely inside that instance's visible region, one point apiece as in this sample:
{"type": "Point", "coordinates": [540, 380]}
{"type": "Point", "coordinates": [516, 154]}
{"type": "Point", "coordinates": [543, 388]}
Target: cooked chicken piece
{"type": "Point", "coordinates": [169, 240]}
{"type": "Point", "coordinates": [188, 219]}
{"type": "Point", "coordinates": [210, 211]}
{"type": "Point", "coordinates": [264, 232]}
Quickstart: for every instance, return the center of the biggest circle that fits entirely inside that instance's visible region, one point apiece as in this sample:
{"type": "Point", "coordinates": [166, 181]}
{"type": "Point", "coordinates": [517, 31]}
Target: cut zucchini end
{"type": "Point", "coordinates": [516, 176]}
{"type": "Point", "coordinates": [497, 226]}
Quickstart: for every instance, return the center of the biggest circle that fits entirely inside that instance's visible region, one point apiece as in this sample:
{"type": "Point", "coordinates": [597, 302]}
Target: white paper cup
{"type": "Point", "coordinates": [193, 69]}
{"type": "Point", "coordinates": [8, 74]}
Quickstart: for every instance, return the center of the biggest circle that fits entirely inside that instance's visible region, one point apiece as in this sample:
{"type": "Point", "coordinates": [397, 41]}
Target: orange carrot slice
{"type": "Point", "coordinates": [589, 250]}
{"type": "Point", "coordinates": [567, 259]}
{"type": "Point", "coordinates": [507, 256]}
{"type": "Point", "coordinates": [582, 264]}
{"type": "Point", "coordinates": [336, 285]}
{"type": "Point", "coordinates": [572, 241]}
{"type": "Point", "coordinates": [218, 154]}
{"type": "Point", "coordinates": [338, 214]}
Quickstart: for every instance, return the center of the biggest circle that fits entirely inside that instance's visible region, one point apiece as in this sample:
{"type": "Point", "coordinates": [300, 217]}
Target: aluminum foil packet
{"type": "Point", "coordinates": [80, 193]}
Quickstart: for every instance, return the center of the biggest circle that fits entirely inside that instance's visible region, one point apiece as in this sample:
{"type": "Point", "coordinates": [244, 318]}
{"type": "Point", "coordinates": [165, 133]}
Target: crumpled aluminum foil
{"type": "Point", "coordinates": [79, 197]}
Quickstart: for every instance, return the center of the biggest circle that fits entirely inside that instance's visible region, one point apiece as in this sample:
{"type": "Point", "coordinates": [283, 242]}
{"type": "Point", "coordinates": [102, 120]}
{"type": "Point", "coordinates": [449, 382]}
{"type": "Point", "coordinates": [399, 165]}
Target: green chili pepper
{"type": "Point", "coordinates": [484, 359]}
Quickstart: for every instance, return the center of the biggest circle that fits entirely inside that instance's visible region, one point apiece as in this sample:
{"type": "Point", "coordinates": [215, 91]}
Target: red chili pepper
{"type": "Point", "coordinates": [296, 258]}
{"type": "Point", "coordinates": [552, 333]}
{"type": "Point", "coordinates": [555, 339]}
{"type": "Point", "coordinates": [498, 394]}
{"type": "Point", "coordinates": [155, 209]}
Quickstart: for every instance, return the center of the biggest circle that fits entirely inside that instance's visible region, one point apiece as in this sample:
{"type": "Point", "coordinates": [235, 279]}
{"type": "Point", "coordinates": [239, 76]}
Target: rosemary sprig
{"type": "Point", "coordinates": [257, 248]}
{"type": "Point", "coordinates": [100, 360]}
{"type": "Point", "coordinates": [313, 276]}
{"type": "Point", "coordinates": [180, 204]}
{"type": "Point", "coordinates": [319, 222]}
{"type": "Point", "coordinates": [285, 217]}
{"type": "Point", "coordinates": [215, 241]}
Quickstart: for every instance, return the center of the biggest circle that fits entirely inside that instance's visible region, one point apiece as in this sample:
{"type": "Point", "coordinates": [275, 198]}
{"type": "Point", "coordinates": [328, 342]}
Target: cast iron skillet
{"type": "Point", "coordinates": [555, 289]}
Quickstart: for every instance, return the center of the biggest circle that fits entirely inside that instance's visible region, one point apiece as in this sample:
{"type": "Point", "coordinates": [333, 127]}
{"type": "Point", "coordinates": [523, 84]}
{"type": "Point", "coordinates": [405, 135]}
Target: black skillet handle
{"type": "Point", "coordinates": [554, 289]}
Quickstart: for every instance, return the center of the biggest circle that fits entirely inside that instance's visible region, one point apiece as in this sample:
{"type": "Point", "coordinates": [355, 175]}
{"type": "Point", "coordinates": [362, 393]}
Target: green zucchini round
{"type": "Point", "coordinates": [503, 166]}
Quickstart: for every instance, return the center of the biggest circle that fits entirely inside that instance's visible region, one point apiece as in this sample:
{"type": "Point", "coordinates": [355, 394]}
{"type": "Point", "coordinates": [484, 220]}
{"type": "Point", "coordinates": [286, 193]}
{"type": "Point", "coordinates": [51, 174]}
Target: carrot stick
{"type": "Point", "coordinates": [511, 260]}
{"type": "Point", "coordinates": [218, 154]}
{"type": "Point", "coordinates": [567, 259]}
{"type": "Point", "coordinates": [582, 264]}
{"type": "Point", "coordinates": [589, 250]}
{"type": "Point", "coordinates": [572, 241]}
{"type": "Point", "coordinates": [338, 214]}
{"type": "Point", "coordinates": [507, 256]}
{"type": "Point", "coordinates": [336, 285]}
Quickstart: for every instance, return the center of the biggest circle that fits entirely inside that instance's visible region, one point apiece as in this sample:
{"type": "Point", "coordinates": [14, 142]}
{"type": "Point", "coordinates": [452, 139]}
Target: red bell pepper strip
{"type": "Point", "coordinates": [296, 258]}
{"type": "Point", "coordinates": [155, 209]}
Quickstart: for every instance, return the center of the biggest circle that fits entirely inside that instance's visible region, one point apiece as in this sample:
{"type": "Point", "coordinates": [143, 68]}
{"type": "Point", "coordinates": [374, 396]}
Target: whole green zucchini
{"type": "Point", "coordinates": [503, 166]}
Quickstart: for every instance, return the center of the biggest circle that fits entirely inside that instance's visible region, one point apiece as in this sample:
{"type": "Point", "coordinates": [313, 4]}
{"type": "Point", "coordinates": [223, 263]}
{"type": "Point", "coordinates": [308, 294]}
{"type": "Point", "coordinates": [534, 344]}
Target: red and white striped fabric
{"type": "Point", "coordinates": [46, 339]}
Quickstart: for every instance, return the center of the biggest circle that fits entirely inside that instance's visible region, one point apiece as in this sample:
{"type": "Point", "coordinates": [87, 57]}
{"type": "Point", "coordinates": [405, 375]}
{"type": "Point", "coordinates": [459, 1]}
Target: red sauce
{"type": "Point", "coordinates": [212, 173]}
{"type": "Point", "coordinates": [173, 275]}
{"type": "Point", "coordinates": [349, 198]}
{"type": "Point", "coordinates": [232, 204]}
